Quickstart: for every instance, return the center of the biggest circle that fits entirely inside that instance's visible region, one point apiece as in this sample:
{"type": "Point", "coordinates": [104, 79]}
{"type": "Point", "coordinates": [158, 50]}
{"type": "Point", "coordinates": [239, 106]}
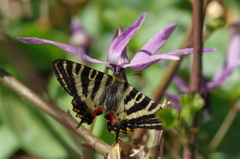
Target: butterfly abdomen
{"type": "Point", "coordinates": [113, 96]}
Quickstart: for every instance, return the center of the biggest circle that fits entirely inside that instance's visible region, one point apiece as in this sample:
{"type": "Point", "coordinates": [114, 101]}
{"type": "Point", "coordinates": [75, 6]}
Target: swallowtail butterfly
{"type": "Point", "coordinates": [94, 91]}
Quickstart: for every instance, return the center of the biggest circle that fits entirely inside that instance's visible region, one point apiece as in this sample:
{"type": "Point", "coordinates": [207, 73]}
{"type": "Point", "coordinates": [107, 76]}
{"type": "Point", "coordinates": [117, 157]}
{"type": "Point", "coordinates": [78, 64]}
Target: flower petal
{"type": "Point", "coordinates": [232, 61]}
{"type": "Point", "coordinates": [181, 85]}
{"type": "Point", "coordinates": [237, 23]}
{"type": "Point", "coordinates": [233, 54]}
{"type": "Point", "coordinates": [145, 63]}
{"type": "Point", "coordinates": [62, 46]}
{"type": "Point", "coordinates": [155, 43]}
{"type": "Point", "coordinates": [189, 51]}
{"type": "Point", "coordinates": [221, 77]}
{"type": "Point", "coordinates": [116, 54]}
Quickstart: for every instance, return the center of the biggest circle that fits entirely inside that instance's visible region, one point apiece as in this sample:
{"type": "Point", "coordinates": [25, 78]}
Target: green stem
{"type": "Point", "coordinates": [225, 126]}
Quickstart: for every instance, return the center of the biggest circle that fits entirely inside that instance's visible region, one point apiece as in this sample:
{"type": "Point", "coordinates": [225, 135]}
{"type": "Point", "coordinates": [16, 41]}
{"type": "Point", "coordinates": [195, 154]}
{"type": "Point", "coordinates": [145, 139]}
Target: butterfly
{"type": "Point", "coordinates": [94, 91]}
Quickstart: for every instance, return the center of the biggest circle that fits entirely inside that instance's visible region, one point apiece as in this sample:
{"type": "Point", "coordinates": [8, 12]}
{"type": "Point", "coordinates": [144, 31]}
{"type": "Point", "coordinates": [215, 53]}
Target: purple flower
{"type": "Point", "coordinates": [232, 61]}
{"type": "Point", "coordinates": [117, 58]}
{"type": "Point", "coordinates": [79, 38]}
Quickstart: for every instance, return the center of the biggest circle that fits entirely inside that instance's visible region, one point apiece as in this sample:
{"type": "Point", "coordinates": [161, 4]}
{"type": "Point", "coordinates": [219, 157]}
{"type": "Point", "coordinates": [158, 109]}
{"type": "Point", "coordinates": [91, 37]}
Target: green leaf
{"type": "Point", "coordinates": [9, 142]}
{"type": "Point", "coordinates": [38, 136]}
{"type": "Point", "coordinates": [168, 117]}
{"type": "Point", "coordinates": [115, 17]}
{"type": "Point", "coordinates": [190, 103]}
{"type": "Point", "coordinates": [217, 155]}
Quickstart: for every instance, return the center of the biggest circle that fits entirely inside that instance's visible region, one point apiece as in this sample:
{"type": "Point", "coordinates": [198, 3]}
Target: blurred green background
{"type": "Point", "coordinates": [27, 132]}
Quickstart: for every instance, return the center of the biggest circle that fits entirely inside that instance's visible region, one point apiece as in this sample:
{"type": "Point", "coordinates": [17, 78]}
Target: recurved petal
{"type": "Point", "coordinates": [232, 61]}
{"type": "Point", "coordinates": [189, 51]}
{"type": "Point", "coordinates": [219, 79]}
{"type": "Point", "coordinates": [115, 52]}
{"type": "Point", "coordinates": [62, 46]}
{"type": "Point", "coordinates": [181, 85]}
{"type": "Point", "coordinates": [155, 43]}
{"type": "Point", "coordinates": [222, 76]}
{"type": "Point", "coordinates": [233, 54]}
{"type": "Point", "coordinates": [146, 62]}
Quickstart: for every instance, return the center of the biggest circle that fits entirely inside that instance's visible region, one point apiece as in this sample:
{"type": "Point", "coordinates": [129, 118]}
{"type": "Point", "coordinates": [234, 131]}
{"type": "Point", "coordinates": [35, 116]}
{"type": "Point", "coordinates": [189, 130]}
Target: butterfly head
{"type": "Point", "coordinates": [120, 76]}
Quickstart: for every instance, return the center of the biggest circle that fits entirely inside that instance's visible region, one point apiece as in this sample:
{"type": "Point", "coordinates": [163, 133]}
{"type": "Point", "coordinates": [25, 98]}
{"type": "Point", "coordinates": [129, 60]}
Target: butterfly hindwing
{"type": "Point", "coordinates": [140, 110]}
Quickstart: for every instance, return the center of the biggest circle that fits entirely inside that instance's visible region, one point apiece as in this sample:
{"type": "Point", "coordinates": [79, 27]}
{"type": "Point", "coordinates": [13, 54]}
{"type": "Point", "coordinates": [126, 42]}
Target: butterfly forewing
{"type": "Point", "coordinates": [84, 84]}
{"type": "Point", "coordinates": [76, 78]}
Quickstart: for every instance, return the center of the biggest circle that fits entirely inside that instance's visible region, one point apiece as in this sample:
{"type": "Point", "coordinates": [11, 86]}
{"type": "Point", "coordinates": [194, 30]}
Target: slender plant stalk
{"type": "Point", "coordinates": [196, 75]}
{"type": "Point", "coordinates": [225, 126]}
{"type": "Point", "coordinates": [157, 145]}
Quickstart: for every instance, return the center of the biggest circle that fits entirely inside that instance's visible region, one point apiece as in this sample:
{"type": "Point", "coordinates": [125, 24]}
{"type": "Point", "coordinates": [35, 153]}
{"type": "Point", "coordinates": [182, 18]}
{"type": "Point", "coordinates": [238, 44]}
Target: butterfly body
{"type": "Point", "coordinates": [94, 91]}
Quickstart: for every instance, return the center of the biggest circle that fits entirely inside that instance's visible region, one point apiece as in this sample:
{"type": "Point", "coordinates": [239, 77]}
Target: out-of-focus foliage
{"type": "Point", "coordinates": [169, 117]}
{"type": "Point", "coordinates": [190, 105]}
{"type": "Point", "coordinates": [24, 130]}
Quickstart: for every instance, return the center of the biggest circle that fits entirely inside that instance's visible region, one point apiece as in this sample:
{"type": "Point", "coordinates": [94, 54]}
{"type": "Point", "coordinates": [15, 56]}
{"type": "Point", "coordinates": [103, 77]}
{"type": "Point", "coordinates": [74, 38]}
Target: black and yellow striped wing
{"type": "Point", "coordinates": [94, 91]}
{"type": "Point", "coordinates": [140, 110]}
{"type": "Point", "coordinates": [84, 84]}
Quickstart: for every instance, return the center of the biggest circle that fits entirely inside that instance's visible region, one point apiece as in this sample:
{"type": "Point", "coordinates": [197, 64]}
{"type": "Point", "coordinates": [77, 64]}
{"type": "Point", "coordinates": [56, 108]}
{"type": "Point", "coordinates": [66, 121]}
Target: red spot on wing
{"type": "Point", "coordinates": [97, 112]}
{"type": "Point", "coordinates": [112, 117]}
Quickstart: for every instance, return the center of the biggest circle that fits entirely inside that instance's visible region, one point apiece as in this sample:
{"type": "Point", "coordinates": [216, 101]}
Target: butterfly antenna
{"type": "Point", "coordinates": [138, 74]}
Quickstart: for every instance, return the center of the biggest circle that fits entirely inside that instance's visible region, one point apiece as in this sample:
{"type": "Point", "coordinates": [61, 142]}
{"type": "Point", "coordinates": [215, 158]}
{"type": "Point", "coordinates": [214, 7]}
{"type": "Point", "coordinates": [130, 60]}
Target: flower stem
{"type": "Point", "coordinates": [196, 75]}
{"type": "Point", "coordinates": [225, 126]}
